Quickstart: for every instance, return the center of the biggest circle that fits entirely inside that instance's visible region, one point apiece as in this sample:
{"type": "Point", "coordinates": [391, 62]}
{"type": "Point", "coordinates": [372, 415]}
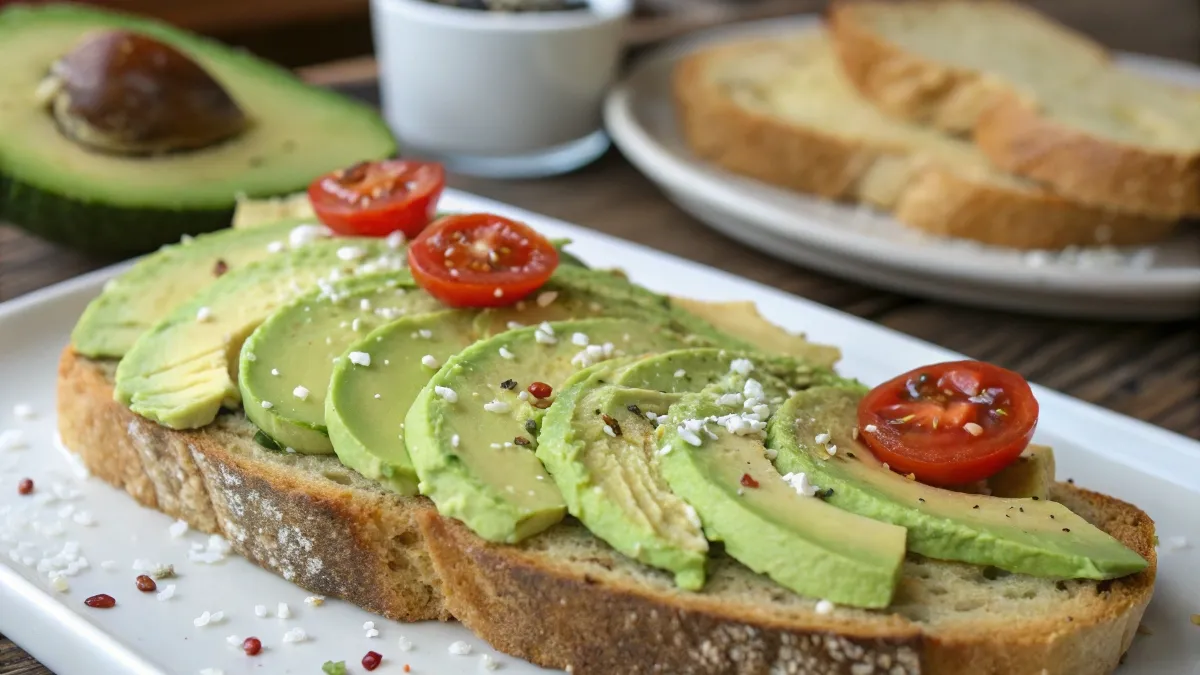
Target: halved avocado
{"type": "Point", "coordinates": [54, 186]}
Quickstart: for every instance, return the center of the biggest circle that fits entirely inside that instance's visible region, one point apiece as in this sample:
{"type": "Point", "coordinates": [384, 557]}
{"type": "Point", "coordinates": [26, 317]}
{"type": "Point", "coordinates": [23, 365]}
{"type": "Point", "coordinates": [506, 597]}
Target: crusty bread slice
{"type": "Point", "coordinates": [1043, 101]}
{"type": "Point", "coordinates": [781, 111]}
{"type": "Point", "coordinates": [306, 518]}
{"type": "Point", "coordinates": [564, 599]}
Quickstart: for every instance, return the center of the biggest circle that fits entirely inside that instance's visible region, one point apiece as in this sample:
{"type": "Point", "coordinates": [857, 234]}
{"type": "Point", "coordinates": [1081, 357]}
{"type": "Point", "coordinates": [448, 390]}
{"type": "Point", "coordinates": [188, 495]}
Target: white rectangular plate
{"type": "Point", "coordinates": [1153, 468]}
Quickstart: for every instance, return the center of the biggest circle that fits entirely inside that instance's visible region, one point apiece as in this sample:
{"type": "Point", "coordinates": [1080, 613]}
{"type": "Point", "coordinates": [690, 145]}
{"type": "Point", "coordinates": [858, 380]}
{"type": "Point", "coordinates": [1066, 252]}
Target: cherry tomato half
{"type": "Point", "coordinates": [481, 260]}
{"type": "Point", "coordinates": [374, 199]}
{"type": "Point", "coordinates": [949, 423]}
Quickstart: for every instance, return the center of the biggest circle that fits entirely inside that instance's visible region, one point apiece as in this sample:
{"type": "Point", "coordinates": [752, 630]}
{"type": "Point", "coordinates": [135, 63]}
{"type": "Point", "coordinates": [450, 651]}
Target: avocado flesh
{"type": "Point", "coordinates": [495, 486]}
{"type": "Point", "coordinates": [133, 302]}
{"type": "Point", "coordinates": [299, 343]}
{"type": "Point", "coordinates": [801, 542]}
{"type": "Point", "coordinates": [365, 407]}
{"type": "Point", "coordinates": [183, 370]}
{"type": "Point", "coordinates": [742, 320]}
{"type": "Point", "coordinates": [355, 434]}
{"type": "Point", "coordinates": [1030, 476]}
{"type": "Point", "coordinates": [612, 483]}
{"type": "Point", "coordinates": [53, 186]}
{"type": "Point", "coordinates": [1036, 537]}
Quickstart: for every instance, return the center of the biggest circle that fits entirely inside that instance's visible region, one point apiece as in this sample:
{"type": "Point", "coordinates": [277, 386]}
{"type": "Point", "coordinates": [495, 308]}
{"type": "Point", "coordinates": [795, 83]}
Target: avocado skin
{"type": "Point", "coordinates": [101, 229]}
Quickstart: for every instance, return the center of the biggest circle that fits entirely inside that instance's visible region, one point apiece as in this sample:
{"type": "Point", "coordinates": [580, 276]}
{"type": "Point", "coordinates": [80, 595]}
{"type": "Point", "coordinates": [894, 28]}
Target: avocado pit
{"type": "Point", "coordinates": [125, 93]}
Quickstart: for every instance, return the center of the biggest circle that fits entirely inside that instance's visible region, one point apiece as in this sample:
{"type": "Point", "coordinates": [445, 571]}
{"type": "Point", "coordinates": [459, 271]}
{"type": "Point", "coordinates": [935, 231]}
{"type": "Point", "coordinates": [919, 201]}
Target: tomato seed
{"type": "Point", "coordinates": [252, 646]}
{"type": "Point", "coordinates": [145, 584]}
{"type": "Point", "coordinates": [101, 601]}
{"type": "Point", "coordinates": [25, 486]}
{"type": "Point", "coordinates": [540, 390]}
{"type": "Point", "coordinates": [372, 660]}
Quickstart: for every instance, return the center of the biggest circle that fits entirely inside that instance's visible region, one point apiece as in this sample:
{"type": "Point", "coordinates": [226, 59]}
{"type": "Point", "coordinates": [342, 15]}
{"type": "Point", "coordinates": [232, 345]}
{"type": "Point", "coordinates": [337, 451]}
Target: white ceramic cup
{"type": "Point", "coordinates": [497, 93]}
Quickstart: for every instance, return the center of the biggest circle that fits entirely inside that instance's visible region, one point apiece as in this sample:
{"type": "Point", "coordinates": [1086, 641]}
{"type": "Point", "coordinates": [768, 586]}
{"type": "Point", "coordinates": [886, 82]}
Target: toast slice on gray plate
{"type": "Point", "coordinates": [1042, 101]}
{"type": "Point", "coordinates": [782, 111]}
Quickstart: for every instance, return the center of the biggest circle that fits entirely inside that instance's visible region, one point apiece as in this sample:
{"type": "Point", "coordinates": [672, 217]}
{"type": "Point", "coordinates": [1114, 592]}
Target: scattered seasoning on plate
{"type": "Point", "coordinates": [334, 668]}
{"type": "Point", "coordinates": [372, 660]}
{"type": "Point", "coordinates": [748, 481]}
{"type": "Point", "coordinates": [145, 584]}
{"type": "Point", "coordinates": [101, 601]}
{"type": "Point", "coordinates": [25, 486]}
{"type": "Point", "coordinates": [540, 390]}
{"type": "Point", "coordinates": [252, 646]}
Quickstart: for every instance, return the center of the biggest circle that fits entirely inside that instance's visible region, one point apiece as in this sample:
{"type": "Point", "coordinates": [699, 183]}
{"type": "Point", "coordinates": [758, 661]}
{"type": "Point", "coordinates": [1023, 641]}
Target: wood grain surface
{"type": "Point", "coordinates": [1150, 371]}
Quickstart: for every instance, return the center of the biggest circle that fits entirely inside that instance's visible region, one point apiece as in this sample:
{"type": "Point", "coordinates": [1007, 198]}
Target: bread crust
{"type": "Point", "coordinates": [1010, 129]}
{"type": "Point", "coordinates": [1088, 169]}
{"type": "Point", "coordinates": [397, 557]}
{"type": "Point", "coordinates": [558, 615]}
{"type": "Point", "coordinates": [335, 539]}
{"type": "Point", "coordinates": [917, 192]}
{"type": "Point", "coordinates": [904, 84]}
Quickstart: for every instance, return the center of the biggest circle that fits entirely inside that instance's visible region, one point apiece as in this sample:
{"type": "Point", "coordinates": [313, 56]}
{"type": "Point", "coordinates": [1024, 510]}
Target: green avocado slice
{"type": "Point", "coordinates": [374, 450]}
{"type": "Point", "coordinates": [366, 406]}
{"type": "Point", "coordinates": [598, 442]}
{"type": "Point", "coordinates": [1030, 536]}
{"type": "Point", "coordinates": [53, 186]}
{"type": "Point", "coordinates": [133, 302]}
{"type": "Point", "coordinates": [610, 477]}
{"type": "Point", "coordinates": [712, 455]}
{"type": "Point", "coordinates": [183, 370]}
{"type": "Point", "coordinates": [467, 431]}
{"type": "Point", "coordinates": [288, 360]}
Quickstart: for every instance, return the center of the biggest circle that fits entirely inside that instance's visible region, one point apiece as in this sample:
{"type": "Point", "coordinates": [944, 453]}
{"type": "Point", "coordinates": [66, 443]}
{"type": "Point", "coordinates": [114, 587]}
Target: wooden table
{"type": "Point", "coordinates": [1146, 370]}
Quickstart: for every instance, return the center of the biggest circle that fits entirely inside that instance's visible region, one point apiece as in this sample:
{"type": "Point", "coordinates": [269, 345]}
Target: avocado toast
{"type": "Point", "coordinates": [563, 597]}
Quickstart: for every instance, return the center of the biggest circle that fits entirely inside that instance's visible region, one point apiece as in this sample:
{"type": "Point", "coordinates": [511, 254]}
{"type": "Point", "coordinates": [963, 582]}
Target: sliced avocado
{"type": "Point", "coordinates": [133, 302]}
{"type": "Point", "coordinates": [467, 435]}
{"type": "Point", "coordinates": [288, 360]}
{"type": "Point", "coordinates": [53, 186]}
{"type": "Point", "coordinates": [1030, 476]}
{"type": "Point", "coordinates": [598, 442]}
{"type": "Point", "coordinates": [366, 406]}
{"type": "Point", "coordinates": [374, 450]}
{"type": "Point", "coordinates": [599, 445]}
{"type": "Point", "coordinates": [576, 292]}
{"type": "Point", "coordinates": [183, 370]}
{"type": "Point", "coordinates": [1030, 536]}
{"type": "Point", "coordinates": [742, 320]}
{"type": "Point", "coordinates": [713, 457]}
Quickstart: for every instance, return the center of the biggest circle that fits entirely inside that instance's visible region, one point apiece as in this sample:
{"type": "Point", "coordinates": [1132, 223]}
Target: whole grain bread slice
{"type": "Point", "coordinates": [1042, 101]}
{"type": "Point", "coordinates": [564, 599]}
{"type": "Point", "coordinates": [780, 110]}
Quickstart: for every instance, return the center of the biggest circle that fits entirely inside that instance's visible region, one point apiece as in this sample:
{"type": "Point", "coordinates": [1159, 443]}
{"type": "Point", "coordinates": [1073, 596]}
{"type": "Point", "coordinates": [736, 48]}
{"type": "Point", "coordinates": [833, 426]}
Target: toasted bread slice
{"type": "Point", "coordinates": [1043, 101]}
{"type": "Point", "coordinates": [564, 599]}
{"type": "Point", "coordinates": [306, 518]}
{"type": "Point", "coordinates": [781, 111]}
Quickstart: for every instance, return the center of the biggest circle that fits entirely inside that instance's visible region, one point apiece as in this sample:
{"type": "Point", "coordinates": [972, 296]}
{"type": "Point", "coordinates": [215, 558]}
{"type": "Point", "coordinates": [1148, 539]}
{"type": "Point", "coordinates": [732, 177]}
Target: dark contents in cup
{"type": "Point", "coordinates": [515, 5]}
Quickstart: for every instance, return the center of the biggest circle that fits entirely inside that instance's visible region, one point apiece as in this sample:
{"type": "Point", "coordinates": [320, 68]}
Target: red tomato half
{"type": "Point", "coordinates": [949, 423]}
{"type": "Point", "coordinates": [481, 260]}
{"type": "Point", "coordinates": [374, 199]}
